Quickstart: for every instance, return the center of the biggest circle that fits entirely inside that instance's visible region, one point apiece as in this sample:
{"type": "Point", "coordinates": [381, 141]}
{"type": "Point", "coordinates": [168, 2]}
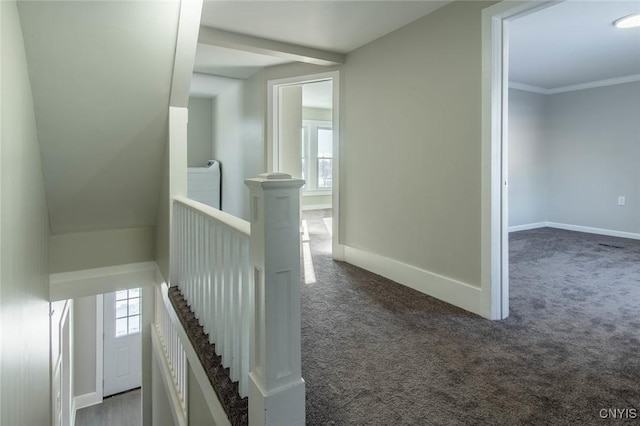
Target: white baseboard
{"type": "Point", "coordinates": [527, 226]}
{"type": "Point", "coordinates": [86, 400]}
{"type": "Point", "coordinates": [590, 230]}
{"type": "Point", "coordinates": [455, 292]}
{"type": "Point", "coordinates": [316, 207]}
{"type": "Point", "coordinates": [578, 228]}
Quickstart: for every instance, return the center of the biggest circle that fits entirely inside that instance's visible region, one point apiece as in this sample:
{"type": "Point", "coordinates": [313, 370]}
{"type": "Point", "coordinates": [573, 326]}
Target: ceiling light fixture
{"type": "Point", "coordinates": [631, 21]}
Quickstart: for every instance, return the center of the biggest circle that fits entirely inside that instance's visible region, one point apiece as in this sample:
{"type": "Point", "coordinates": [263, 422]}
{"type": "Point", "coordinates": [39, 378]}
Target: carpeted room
{"type": "Point", "coordinates": [376, 352]}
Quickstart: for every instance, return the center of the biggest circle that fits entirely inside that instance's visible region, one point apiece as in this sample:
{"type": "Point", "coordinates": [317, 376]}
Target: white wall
{"type": "Point", "coordinates": [24, 233]}
{"type": "Point", "coordinates": [411, 130]}
{"type": "Point", "coordinates": [199, 128]}
{"type": "Point", "coordinates": [528, 158]}
{"type": "Point", "coordinates": [594, 157]}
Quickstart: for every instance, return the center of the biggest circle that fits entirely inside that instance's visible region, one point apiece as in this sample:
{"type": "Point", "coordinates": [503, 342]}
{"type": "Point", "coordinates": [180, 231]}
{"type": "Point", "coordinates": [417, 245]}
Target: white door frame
{"type": "Point", "coordinates": [273, 100]}
{"type": "Point", "coordinates": [495, 105]}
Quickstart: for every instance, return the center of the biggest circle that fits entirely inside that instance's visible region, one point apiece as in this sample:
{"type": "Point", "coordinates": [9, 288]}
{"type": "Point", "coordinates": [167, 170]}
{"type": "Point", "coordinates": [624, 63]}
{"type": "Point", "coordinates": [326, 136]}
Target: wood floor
{"type": "Point", "coordinates": [124, 409]}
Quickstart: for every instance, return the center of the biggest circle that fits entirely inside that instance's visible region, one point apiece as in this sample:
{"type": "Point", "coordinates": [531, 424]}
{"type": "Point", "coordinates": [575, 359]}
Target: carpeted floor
{"type": "Point", "coordinates": [124, 409]}
{"type": "Point", "coordinates": [377, 353]}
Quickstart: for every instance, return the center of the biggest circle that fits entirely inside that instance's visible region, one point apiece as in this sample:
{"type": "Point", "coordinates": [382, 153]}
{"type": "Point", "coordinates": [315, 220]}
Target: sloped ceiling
{"type": "Point", "coordinates": [101, 76]}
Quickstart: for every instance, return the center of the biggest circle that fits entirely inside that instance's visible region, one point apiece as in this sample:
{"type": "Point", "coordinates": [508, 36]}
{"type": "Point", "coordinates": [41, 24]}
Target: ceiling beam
{"type": "Point", "coordinates": [186, 44]}
{"type": "Point", "coordinates": [231, 40]}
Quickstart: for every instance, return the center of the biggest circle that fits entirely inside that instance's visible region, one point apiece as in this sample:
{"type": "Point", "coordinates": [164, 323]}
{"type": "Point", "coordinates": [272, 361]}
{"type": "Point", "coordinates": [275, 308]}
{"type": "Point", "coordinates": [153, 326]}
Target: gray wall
{"type": "Point", "coordinates": [594, 156]}
{"type": "Point", "coordinates": [87, 250]}
{"type": "Point", "coordinates": [238, 140]}
{"type": "Point", "coordinates": [228, 149]}
{"type": "Point", "coordinates": [24, 233]}
{"type": "Point", "coordinates": [198, 409]}
{"type": "Point", "coordinates": [161, 408]}
{"type": "Point", "coordinates": [199, 132]}
{"type": "Point", "coordinates": [572, 154]}
{"type": "Point", "coordinates": [84, 351]}
{"type": "Point", "coordinates": [528, 158]}
{"type": "Point", "coordinates": [411, 181]}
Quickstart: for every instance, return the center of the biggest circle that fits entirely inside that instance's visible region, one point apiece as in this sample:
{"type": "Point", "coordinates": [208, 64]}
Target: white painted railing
{"type": "Point", "coordinates": [213, 274]}
{"type": "Point", "coordinates": [241, 280]}
{"type": "Point", "coordinates": [173, 350]}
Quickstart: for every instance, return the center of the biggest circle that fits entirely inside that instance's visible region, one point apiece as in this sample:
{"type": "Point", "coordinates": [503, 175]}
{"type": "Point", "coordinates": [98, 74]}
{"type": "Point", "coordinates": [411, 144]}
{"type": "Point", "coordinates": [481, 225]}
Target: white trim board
{"type": "Point", "coordinates": [86, 400]}
{"type": "Point", "coordinates": [316, 207]}
{"type": "Point", "coordinates": [89, 282]}
{"type": "Point", "coordinates": [572, 88]}
{"type": "Point", "coordinates": [578, 228]}
{"type": "Point", "coordinates": [455, 292]}
{"type": "Point", "coordinates": [527, 226]}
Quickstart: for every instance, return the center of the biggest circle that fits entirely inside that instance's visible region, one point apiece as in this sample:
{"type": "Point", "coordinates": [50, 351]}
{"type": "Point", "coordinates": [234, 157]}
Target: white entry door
{"type": "Point", "coordinates": [122, 341]}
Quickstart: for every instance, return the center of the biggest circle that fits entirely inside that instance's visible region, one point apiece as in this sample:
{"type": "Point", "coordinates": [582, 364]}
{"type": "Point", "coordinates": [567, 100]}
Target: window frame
{"type": "Point", "coordinates": [310, 153]}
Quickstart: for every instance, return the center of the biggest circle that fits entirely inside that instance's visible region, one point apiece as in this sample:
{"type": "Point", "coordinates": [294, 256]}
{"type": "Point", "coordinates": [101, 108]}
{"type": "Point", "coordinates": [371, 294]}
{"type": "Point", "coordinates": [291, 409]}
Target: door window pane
{"type": "Point", "coordinates": [121, 327]}
{"type": "Point", "coordinates": [134, 306]}
{"type": "Point", "coordinates": [121, 308]}
{"type": "Point", "coordinates": [127, 312]}
{"type": "Point", "coordinates": [134, 324]}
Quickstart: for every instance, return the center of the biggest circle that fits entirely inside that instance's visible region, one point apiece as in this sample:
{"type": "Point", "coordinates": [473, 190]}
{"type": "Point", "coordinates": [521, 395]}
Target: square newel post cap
{"type": "Point", "coordinates": [274, 180]}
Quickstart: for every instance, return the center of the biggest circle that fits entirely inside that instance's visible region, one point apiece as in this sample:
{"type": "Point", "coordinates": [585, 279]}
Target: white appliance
{"type": "Point", "coordinates": [203, 184]}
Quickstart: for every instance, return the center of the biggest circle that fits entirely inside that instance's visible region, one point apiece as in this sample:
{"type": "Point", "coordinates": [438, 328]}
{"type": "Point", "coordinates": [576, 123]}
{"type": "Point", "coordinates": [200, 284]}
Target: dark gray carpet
{"type": "Point", "coordinates": [377, 353]}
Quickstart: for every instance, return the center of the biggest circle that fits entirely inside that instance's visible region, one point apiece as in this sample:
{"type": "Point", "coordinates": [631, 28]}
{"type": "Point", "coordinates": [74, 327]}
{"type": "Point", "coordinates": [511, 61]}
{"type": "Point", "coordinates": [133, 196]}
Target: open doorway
{"type": "Point", "coordinates": [304, 142]}
{"type": "Point", "coordinates": [572, 101]}
{"type": "Point", "coordinates": [108, 356]}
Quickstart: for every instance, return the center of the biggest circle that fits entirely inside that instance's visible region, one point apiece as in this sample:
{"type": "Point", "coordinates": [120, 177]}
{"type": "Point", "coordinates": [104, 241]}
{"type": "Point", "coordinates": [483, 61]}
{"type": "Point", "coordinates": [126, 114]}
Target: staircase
{"type": "Point", "coordinates": [232, 310]}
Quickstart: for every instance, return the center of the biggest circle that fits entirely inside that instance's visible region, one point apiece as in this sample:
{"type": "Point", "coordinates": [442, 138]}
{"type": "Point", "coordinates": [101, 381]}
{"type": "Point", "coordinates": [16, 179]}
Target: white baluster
{"type": "Point", "coordinates": [226, 295]}
{"type": "Point", "coordinates": [235, 308]}
{"type": "Point", "coordinates": [244, 319]}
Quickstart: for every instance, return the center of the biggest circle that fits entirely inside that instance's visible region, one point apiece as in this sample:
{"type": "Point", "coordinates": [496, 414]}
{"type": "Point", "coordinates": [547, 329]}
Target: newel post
{"type": "Point", "coordinates": [276, 387]}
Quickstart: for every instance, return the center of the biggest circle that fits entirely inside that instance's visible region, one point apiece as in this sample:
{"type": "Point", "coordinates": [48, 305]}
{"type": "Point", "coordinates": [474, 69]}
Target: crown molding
{"type": "Point", "coordinates": [574, 87]}
{"type": "Point", "coordinates": [528, 88]}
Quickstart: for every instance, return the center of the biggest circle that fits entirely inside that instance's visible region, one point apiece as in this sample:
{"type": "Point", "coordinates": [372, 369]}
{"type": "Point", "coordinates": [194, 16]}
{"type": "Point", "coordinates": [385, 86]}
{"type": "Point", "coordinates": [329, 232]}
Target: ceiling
{"type": "Point", "coordinates": [100, 75]}
{"type": "Point", "coordinates": [573, 42]}
{"type": "Point", "coordinates": [335, 26]}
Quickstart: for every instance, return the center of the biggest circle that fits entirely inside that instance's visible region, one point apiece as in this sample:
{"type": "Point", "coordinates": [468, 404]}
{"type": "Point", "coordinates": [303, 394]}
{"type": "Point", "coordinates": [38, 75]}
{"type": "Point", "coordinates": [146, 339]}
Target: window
{"type": "Point", "coordinates": [127, 307]}
{"type": "Point", "coordinates": [317, 155]}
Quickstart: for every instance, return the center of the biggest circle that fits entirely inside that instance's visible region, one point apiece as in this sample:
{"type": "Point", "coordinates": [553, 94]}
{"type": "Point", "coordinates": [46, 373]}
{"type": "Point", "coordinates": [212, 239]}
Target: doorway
{"type": "Point", "coordinates": [495, 107]}
{"type": "Point", "coordinates": [122, 345]}
{"type": "Point", "coordinates": [304, 141]}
